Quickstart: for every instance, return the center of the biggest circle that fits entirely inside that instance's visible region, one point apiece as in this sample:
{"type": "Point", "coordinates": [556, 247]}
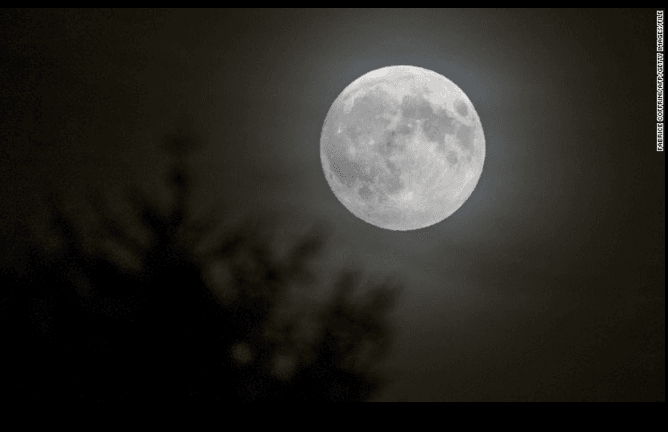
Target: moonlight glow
{"type": "Point", "coordinates": [402, 147]}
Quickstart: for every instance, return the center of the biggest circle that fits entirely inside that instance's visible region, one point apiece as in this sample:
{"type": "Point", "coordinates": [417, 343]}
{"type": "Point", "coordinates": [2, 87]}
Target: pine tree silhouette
{"type": "Point", "coordinates": [81, 327]}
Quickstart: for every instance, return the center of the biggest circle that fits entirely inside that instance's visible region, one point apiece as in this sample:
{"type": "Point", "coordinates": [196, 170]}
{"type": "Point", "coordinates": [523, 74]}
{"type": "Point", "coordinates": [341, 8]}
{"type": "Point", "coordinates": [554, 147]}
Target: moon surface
{"type": "Point", "coordinates": [402, 147]}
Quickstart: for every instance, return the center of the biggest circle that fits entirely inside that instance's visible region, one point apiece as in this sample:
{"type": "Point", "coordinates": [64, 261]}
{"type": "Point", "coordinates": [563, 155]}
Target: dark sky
{"type": "Point", "coordinates": [547, 284]}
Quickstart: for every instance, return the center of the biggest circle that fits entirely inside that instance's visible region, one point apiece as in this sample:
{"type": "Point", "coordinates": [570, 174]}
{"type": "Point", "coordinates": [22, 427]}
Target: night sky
{"type": "Point", "coordinates": [546, 285]}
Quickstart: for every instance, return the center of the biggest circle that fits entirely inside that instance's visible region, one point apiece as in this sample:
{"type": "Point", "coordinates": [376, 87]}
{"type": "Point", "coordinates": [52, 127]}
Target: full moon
{"type": "Point", "coordinates": [402, 147]}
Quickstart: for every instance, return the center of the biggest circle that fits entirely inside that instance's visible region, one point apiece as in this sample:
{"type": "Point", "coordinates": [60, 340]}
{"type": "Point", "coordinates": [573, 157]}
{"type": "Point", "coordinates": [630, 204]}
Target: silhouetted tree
{"type": "Point", "coordinates": [80, 326]}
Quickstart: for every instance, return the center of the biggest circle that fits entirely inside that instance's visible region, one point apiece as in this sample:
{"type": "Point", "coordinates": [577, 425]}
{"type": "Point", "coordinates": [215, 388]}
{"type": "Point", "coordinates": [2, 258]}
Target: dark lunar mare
{"type": "Point", "coordinates": [366, 118]}
{"type": "Point", "coordinates": [438, 123]}
{"type": "Point", "coordinates": [435, 125]}
{"type": "Point", "coordinates": [461, 108]}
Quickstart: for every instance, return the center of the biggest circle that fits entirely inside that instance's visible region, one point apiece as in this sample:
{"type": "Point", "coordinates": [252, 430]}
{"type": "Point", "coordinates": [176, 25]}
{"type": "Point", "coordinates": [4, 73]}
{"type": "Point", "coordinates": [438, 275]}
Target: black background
{"type": "Point", "coordinates": [548, 283]}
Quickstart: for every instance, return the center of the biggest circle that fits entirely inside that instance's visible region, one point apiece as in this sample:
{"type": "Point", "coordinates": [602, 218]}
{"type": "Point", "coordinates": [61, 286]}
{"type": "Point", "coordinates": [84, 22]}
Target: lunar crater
{"type": "Point", "coordinates": [402, 152]}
